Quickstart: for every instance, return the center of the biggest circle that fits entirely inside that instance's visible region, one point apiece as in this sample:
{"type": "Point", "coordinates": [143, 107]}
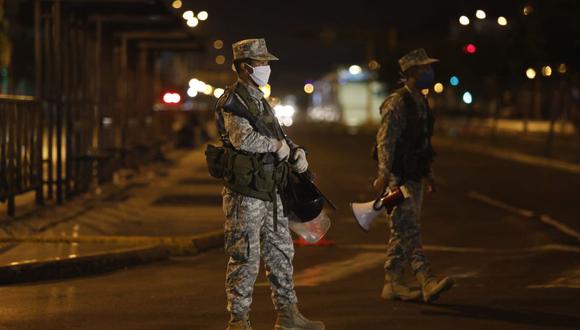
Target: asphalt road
{"type": "Point", "coordinates": [482, 226]}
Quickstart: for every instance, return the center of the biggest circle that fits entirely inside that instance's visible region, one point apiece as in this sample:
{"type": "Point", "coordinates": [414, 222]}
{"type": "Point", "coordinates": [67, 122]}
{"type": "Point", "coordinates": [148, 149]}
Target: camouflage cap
{"type": "Point", "coordinates": [254, 49]}
{"type": "Point", "coordinates": [414, 58]}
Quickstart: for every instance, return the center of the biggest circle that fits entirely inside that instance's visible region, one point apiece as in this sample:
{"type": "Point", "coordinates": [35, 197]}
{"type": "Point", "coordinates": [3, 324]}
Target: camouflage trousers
{"type": "Point", "coordinates": [405, 234]}
{"type": "Point", "coordinates": [249, 236]}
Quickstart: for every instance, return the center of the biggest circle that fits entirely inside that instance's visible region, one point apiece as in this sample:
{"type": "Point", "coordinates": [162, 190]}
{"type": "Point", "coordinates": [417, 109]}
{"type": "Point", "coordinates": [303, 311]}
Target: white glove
{"type": "Point", "coordinates": [300, 163]}
{"type": "Point", "coordinates": [283, 151]}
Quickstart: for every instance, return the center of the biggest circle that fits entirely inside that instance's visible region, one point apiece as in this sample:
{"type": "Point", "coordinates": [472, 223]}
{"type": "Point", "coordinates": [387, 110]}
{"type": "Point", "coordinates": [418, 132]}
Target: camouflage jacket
{"type": "Point", "coordinates": [240, 132]}
{"type": "Point", "coordinates": [393, 123]}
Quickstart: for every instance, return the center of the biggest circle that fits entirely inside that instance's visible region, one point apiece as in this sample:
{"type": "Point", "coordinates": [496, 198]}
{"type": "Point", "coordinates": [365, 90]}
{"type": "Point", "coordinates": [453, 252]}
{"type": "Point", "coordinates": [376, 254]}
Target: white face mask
{"type": "Point", "coordinates": [261, 75]}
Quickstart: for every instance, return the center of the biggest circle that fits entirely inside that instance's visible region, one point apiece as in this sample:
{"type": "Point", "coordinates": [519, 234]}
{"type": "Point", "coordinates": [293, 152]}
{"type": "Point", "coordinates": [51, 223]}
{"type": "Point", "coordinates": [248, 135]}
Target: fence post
{"type": "Point", "coordinates": [38, 108]}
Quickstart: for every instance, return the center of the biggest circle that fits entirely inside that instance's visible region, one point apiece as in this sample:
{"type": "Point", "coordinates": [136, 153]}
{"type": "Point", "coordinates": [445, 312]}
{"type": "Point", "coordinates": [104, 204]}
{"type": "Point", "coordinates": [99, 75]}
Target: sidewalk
{"type": "Point", "coordinates": [166, 210]}
{"type": "Point", "coordinates": [564, 147]}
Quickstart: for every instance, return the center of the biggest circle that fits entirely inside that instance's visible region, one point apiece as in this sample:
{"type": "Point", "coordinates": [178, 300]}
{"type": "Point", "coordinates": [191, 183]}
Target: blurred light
{"type": "Point", "coordinates": [354, 70]}
{"type": "Point", "coordinates": [188, 15]}
{"type": "Point", "coordinates": [562, 68]}
{"type": "Point", "coordinates": [528, 9]}
{"type": "Point", "coordinates": [502, 21]}
{"type": "Point", "coordinates": [546, 71]}
{"type": "Point", "coordinates": [218, 44]}
{"type": "Point", "coordinates": [202, 15]}
{"type": "Point", "coordinates": [233, 68]}
{"type": "Point", "coordinates": [531, 73]}
{"type": "Point", "coordinates": [425, 91]}
{"type": "Point", "coordinates": [267, 90]}
{"type": "Point", "coordinates": [192, 22]}
{"type": "Point", "coordinates": [220, 59]}
{"type": "Point", "coordinates": [454, 81]}
{"type": "Point", "coordinates": [308, 88]}
{"type": "Point", "coordinates": [480, 14]}
{"type": "Point", "coordinates": [438, 88]}
{"type": "Point", "coordinates": [177, 4]}
{"type": "Point", "coordinates": [464, 20]}
{"type": "Point", "coordinates": [374, 65]}
{"type": "Point", "coordinates": [218, 92]}
{"type": "Point", "coordinates": [191, 92]}
{"type": "Point", "coordinates": [171, 98]}
{"type": "Point", "coordinates": [467, 98]}
{"type": "Point", "coordinates": [107, 121]}
{"type": "Point", "coordinates": [284, 111]}
{"type": "Point", "coordinates": [470, 49]}
{"type": "Point", "coordinates": [198, 85]}
{"type": "Point", "coordinates": [207, 89]}
{"type": "Point", "coordinates": [287, 122]}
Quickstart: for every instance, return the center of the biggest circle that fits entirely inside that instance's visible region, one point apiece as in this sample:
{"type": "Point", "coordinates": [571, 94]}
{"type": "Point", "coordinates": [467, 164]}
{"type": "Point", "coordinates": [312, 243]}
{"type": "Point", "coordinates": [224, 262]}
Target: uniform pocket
{"type": "Point", "coordinates": [215, 161]}
{"type": "Point", "coordinates": [264, 181]}
{"type": "Point", "coordinates": [237, 244]}
{"type": "Point", "coordinates": [243, 170]}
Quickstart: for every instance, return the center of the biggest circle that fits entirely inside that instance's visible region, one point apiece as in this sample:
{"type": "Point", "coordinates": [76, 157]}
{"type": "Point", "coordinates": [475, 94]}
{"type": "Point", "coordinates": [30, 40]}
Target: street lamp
{"type": "Point", "coordinates": [202, 16]}
{"type": "Point", "coordinates": [562, 68]}
{"type": "Point", "coordinates": [480, 14]}
{"type": "Point", "coordinates": [208, 89]}
{"type": "Point", "coordinates": [374, 65]}
{"type": "Point", "coordinates": [188, 15]}
{"type": "Point", "coordinates": [218, 44]}
{"type": "Point", "coordinates": [354, 70]}
{"type": "Point", "coordinates": [467, 98]}
{"type": "Point", "coordinates": [502, 21]}
{"type": "Point", "coordinates": [177, 4]}
{"type": "Point", "coordinates": [464, 20]}
{"type": "Point", "coordinates": [218, 92]}
{"type": "Point", "coordinates": [192, 22]}
{"type": "Point", "coordinates": [438, 88]}
{"type": "Point", "coordinates": [191, 92]}
{"type": "Point", "coordinates": [531, 73]}
{"type": "Point", "coordinates": [547, 71]}
{"type": "Point", "coordinates": [308, 88]}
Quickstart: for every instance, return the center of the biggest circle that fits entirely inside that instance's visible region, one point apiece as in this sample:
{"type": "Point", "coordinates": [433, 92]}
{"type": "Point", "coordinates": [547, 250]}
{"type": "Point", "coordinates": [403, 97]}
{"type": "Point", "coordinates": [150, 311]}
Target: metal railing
{"type": "Point", "coordinates": [21, 143]}
{"type": "Point", "coordinates": [92, 115]}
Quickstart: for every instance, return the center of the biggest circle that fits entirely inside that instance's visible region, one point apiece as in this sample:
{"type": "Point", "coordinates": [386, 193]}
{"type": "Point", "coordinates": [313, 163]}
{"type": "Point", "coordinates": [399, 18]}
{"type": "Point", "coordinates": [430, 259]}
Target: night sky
{"type": "Point", "coordinates": [313, 37]}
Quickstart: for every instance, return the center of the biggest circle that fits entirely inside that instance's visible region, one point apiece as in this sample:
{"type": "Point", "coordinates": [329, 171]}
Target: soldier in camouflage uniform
{"type": "Point", "coordinates": [255, 224]}
{"type": "Point", "coordinates": [405, 155]}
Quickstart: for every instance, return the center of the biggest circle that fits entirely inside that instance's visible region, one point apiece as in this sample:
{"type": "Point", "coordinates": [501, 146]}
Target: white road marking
{"type": "Point", "coordinates": [568, 280]}
{"type": "Point", "coordinates": [554, 286]}
{"type": "Point", "coordinates": [504, 206]}
{"type": "Point", "coordinates": [560, 226]}
{"type": "Point", "coordinates": [464, 275]}
{"type": "Point", "coordinates": [526, 213]}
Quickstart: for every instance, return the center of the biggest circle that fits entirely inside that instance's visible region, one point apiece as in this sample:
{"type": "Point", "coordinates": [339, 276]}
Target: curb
{"type": "Point", "coordinates": [63, 268]}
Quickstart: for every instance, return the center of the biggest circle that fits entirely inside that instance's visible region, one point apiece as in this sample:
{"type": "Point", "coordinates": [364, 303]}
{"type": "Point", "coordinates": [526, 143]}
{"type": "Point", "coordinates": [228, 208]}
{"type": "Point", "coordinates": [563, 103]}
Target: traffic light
{"type": "Point", "coordinates": [470, 49]}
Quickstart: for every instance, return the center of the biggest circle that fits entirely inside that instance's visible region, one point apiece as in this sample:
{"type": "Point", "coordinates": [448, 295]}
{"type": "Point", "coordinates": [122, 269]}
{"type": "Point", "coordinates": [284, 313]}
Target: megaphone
{"type": "Point", "coordinates": [366, 213]}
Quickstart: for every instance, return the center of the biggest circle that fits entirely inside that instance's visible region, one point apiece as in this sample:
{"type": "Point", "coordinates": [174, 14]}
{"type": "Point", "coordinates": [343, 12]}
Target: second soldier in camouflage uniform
{"type": "Point", "coordinates": [405, 155]}
{"type": "Point", "coordinates": [255, 223]}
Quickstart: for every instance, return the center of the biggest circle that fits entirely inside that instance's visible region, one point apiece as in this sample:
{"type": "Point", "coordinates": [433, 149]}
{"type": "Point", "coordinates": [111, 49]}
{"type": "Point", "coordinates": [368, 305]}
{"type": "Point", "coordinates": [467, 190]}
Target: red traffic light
{"type": "Point", "coordinates": [171, 98]}
{"type": "Point", "coordinates": [470, 49]}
